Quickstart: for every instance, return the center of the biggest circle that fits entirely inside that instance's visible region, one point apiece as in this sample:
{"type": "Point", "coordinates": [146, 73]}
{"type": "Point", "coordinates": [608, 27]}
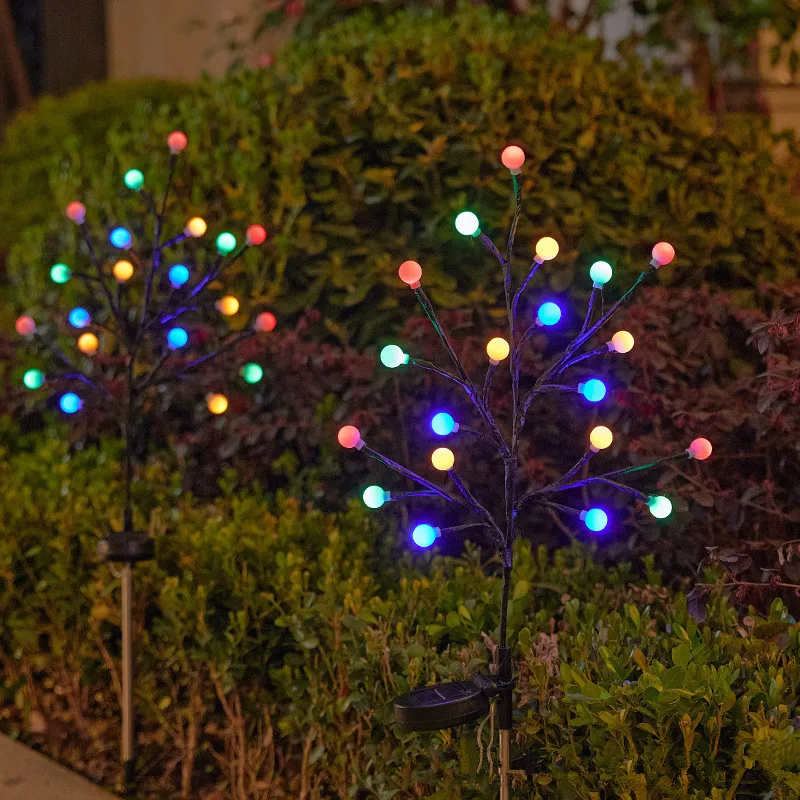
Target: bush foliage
{"type": "Point", "coordinates": [358, 148]}
{"type": "Point", "coordinates": [271, 639]}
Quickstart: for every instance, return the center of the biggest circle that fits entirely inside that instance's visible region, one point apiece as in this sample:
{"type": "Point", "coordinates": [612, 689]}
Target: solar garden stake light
{"type": "Point", "coordinates": [136, 338]}
{"type": "Point", "coordinates": [449, 704]}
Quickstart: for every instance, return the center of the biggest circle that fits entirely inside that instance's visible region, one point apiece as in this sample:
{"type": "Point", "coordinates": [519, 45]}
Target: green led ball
{"type": "Point", "coordinates": [134, 179]}
{"type": "Point", "coordinates": [374, 497]}
{"type": "Point", "coordinates": [660, 506]}
{"type": "Point", "coordinates": [252, 373]}
{"type": "Point", "coordinates": [33, 378]}
{"type": "Point", "coordinates": [59, 273]}
{"type": "Point", "coordinates": [225, 243]}
{"type": "Point", "coordinates": [467, 224]}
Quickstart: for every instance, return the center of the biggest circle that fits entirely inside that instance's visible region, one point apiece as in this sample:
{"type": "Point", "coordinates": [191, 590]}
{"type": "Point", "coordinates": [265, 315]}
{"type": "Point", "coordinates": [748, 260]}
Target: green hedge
{"type": "Point", "coordinates": [358, 148]}
{"type": "Point", "coordinates": [271, 639]}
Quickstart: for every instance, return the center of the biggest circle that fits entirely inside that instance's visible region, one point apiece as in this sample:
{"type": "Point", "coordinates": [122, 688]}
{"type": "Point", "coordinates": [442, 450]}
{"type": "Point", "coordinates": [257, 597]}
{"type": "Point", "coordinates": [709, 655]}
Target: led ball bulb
{"type": "Point", "coordinates": [33, 378]}
{"type": "Point", "coordinates": [195, 227]}
{"type": "Point", "coordinates": [600, 273]}
{"type": "Point", "coordinates": [217, 403]}
{"type": "Point", "coordinates": [593, 390]}
{"type": "Point", "coordinates": [252, 373]}
{"type": "Point", "coordinates": [410, 273]}
{"type": "Point", "coordinates": [70, 403]}
{"type": "Point", "coordinates": [88, 344]}
{"type": "Point", "coordinates": [123, 270]}
{"type": "Point", "coordinates": [660, 506]}
{"type": "Point", "coordinates": [25, 326]}
{"type": "Point", "coordinates": [177, 338]}
{"type": "Point", "coordinates": [177, 142]}
{"type": "Point", "coordinates": [546, 249]}
{"type": "Point", "coordinates": [443, 459]}
{"type": "Point", "coordinates": [600, 438]}
{"type": "Point", "coordinates": [59, 273]}
{"type": "Point", "coordinates": [265, 322]}
{"type": "Point", "coordinates": [392, 356]}
{"type": "Point", "coordinates": [621, 342]}
{"type": "Point", "coordinates": [121, 238]}
{"type": "Point", "coordinates": [513, 158]}
{"type": "Point", "coordinates": [134, 179]}
{"type": "Point", "coordinates": [467, 224]}
{"type": "Point", "coordinates": [374, 497]}
{"type": "Point", "coordinates": [76, 212]}
{"type": "Point", "coordinates": [178, 275]}
{"type": "Point", "coordinates": [663, 253]}
{"type": "Point", "coordinates": [228, 305]}
{"type": "Point", "coordinates": [595, 519]}
{"type": "Point", "coordinates": [700, 449]}
{"type": "Point", "coordinates": [255, 235]}
{"type": "Point", "coordinates": [350, 437]}
{"type": "Point", "coordinates": [425, 535]}
{"type": "Point", "coordinates": [548, 314]}
{"type": "Point", "coordinates": [443, 424]}
{"type": "Point", "coordinates": [79, 317]}
{"type": "Point", "coordinates": [497, 349]}
{"type": "Point", "coordinates": [226, 242]}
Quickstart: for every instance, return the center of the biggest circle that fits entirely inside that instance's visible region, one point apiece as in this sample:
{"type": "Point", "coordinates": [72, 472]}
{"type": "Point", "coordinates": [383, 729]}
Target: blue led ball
{"type": "Point", "coordinates": [595, 519]}
{"type": "Point", "coordinates": [178, 275]}
{"type": "Point", "coordinates": [443, 424]}
{"type": "Point", "coordinates": [593, 390]}
{"type": "Point", "coordinates": [121, 238]}
{"type": "Point", "coordinates": [374, 497]}
{"type": "Point", "coordinates": [79, 317]}
{"type": "Point", "coordinates": [424, 535]}
{"type": "Point", "coordinates": [548, 313]}
{"type": "Point", "coordinates": [70, 403]}
{"type": "Point", "coordinates": [176, 338]}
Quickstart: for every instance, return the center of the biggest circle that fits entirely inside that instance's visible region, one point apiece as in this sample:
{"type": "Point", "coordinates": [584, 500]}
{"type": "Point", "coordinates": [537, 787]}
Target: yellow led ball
{"type": "Point", "coordinates": [546, 248]}
{"type": "Point", "coordinates": [442, 458]}
{"type": "Point", "coordinates": [497, 350]}
{"type": "Point", "coordinates": [88, 343]}
{"type": "Point", "coordinates": [196, 227]}
{"type": "Point", "coordinates": [621, 342]}
{"type": "Point", "coordinates": [123, 270]}
{"type": "Point", "coordinates": [600, 437]}
{"type": "Point", "coordinates": [228, 305]}
{"type": "Point", "coordinates": [217, 403]}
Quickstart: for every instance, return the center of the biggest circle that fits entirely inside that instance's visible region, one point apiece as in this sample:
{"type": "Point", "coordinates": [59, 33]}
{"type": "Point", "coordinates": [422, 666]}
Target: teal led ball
{"type": "Point", "coordinates": [226, 242]}
{"type": "Point", "coordinates": [660, 506]}
{"type": "Point", "coordinates": [252, 373]}
{"type": "Point", "coordinates": [593, 390]}
{"type": "Point", "coordinates": [424, 535]}
{"type": "Point", "coordinates": [467, 224]}
{"type": "Point", "coordinates": [59, 273]}
{"type": "Point", "coordinates": [33, 378]}
{"type": "Point", "coordinates": [374, 497]}
{"type": "Point", "coordinates": [600, 272]}
{"type": "Point", "coordinates": [134, 179]}
{"type": "Point", "coordinates": [443, 424]}
{"type": "Point", "coordinates": [548, 314]}
{"type": "Point", "coordinates": [595, 520]}
{"type": "Point", "coordinates": [392, 356]}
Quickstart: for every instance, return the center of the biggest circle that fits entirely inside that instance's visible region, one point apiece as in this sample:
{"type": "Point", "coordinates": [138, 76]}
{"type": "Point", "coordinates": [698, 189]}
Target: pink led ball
{"type": "Point", "coordinates": [265, 322]}
{"type": "Point", "coordinates": [25, 326]}
{"type": "Point", "coordinates": [700, 449]}
{"type": "Point", "coordinates": [349, 436]}
{"type": "Point", "coordinates": [663, 253]}
{"type": "Point", "coordinates": [256, 235]}
{"type": "Point", "coordinates": [513, 157]}
{"type": "Point", "coordinates": [76, 212]}
{"type": "Point", "coordinates": [410, 272]}
{"type": "Point", "coordinates": [177, 142]}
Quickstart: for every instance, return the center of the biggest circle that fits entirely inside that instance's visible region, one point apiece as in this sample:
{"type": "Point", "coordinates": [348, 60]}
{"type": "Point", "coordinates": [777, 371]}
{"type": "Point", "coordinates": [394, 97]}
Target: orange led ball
{"type": "Point", "coordinates": [621, 342]}
{"type": "Point", "coordinates": [349, 436]}
{"type": "Point", "coordinates": [663, 253]}
{"type": "Point", "coordinates": [410, 273]}
{"type": "Point", "coordinates": [700, 449]}
{"type": "Point", "coordinates": [265, 322]}
{"type": "Point", "coordinates": [513, 157]}
{"type": "Point", "coordinates": [217, 403]}
{"type": "Point", "coordinates": [76, 212]}
{"type": "Point", "coordinates": [25, 326]}
{"type": "Point", "coordinates": [88, 344]}
{"type": "Point", "coordinates": [177, 142]}
{"type": "Point", "coordinates": [195, 227]}
{"type": "Point", "coordinates": [123, 270]}
{"type": "Point", "coordinates": [256, 235]}
{"type": "Point", "coordinates": [228, 305]}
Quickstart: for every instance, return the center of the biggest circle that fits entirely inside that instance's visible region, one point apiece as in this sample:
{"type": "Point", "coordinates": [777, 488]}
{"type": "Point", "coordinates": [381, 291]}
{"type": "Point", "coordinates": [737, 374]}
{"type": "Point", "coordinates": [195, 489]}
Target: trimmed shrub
{"type": "Point", "coordinates": [271, 639]}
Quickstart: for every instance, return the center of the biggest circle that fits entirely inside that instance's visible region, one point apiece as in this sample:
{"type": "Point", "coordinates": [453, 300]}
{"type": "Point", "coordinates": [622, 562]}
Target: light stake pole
{"type": "Point", "coordinates": [138, 311]}
{"type": "Point", "coordinates": [449, 704]}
